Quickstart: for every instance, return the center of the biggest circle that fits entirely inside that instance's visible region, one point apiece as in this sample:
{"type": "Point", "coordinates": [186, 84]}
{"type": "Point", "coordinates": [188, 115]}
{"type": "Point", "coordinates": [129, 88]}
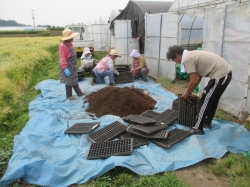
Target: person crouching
{"type": "Point", "coordinates": [105, 68]}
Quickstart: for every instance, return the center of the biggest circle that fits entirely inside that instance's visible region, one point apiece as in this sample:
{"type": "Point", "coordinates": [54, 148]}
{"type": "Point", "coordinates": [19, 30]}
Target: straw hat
{"type": "Point", "coordinates": [68, 34]}
{"type": "Point", "coordinates": [114, 53]}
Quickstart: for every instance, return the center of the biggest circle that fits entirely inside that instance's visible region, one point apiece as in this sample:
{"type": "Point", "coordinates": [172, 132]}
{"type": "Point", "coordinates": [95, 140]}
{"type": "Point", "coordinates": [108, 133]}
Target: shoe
{"type": "Point", "coordinates": [112, 84]}
{"type": "Point", "coordinates": [207, 124]}
{"type": "Point", "coordinates": [70, 98]}
{"type": "Point", "coordinates": [92, 81]}
{"type": "Point", "coordinates": [197, 131]}
{"type": "Point", "coordinates": [82, 94]}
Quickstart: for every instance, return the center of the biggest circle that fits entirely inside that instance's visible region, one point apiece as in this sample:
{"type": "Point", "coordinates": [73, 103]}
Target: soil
{"type": "Point", "coordinates": [119, 101]}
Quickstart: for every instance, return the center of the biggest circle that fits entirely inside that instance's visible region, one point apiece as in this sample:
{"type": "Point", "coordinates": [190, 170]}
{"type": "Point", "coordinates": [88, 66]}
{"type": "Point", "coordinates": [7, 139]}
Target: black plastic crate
{"type": "Point", "coordinates": [187, 111]}
{"type": "Point", "coordinates": [82, 128]}
{"type": "Point", "coordinates": [167, 117]}
{"type": "Point", "coordinates": [107, 133]}
{"type": "Point", "coordinates": [109, 148]}
{"type": "Point", "coordinates": [81, 74]}
{"type": "Point", "coordinates": [149, 114]}
{"type": "Point", "coordinates": [159, 135]}
{"type": "Point", "coordinates": [122, 67]}
{"type": "Point", "coordinates": [137, 141]}
{"type": "Point", "coordinates": [138, 120]}
{"type": "Point", "coordinates": [147, 130]}
{"type": "Point", "coordinates": [175, 105]}
{"type": "Point", "coordinates": [174, 136]}
{"type": "Point", "coordinates": [123, 77]}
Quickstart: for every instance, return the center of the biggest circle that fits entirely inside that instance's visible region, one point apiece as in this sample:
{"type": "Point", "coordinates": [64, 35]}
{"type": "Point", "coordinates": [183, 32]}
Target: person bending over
{"type": "Point", "coordinates": [200, 64]}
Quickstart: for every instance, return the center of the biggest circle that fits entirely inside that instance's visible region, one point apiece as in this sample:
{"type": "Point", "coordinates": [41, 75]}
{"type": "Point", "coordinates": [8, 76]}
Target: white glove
{"type": "Point", "coordinates": [117, 73]}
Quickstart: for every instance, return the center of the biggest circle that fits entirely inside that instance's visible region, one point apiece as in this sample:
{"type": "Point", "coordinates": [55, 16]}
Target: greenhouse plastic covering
{"type": "Point", "coordinates": [44, 155]}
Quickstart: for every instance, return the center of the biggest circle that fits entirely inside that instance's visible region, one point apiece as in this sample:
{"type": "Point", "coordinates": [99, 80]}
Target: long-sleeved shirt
{"type": "Point", "coordinates": [64, 54]}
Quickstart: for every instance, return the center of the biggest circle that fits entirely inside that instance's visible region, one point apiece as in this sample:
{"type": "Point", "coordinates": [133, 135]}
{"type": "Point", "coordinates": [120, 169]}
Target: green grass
{"type": "Point", "coordinates": [122, 177]}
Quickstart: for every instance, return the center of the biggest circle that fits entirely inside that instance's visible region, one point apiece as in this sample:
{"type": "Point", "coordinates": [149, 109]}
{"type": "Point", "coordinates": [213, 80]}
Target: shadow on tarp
{"type": "Point", "coordinates": [44, 155]}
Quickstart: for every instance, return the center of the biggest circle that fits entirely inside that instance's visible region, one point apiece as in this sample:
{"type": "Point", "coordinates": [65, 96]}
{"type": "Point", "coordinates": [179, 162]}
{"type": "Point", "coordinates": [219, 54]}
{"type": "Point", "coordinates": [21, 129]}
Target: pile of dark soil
{"type": "Point", "coordinates": [119, 101]}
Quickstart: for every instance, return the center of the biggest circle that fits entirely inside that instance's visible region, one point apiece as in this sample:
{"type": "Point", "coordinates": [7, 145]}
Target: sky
{"type": "Point", "coordinates": [60, 12]}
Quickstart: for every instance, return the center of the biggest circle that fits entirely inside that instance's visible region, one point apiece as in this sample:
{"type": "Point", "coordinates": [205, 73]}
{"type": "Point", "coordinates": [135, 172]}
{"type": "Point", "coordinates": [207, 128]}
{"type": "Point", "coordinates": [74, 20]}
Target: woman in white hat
{"type": "Point", "coordinates": [105, 68]}
{"type": "Point", "coordinates": [88, 63]}
{"type": "Point", "coordinates": [68, 64]}
{"type": "Point", "coordinates": [139, 67]}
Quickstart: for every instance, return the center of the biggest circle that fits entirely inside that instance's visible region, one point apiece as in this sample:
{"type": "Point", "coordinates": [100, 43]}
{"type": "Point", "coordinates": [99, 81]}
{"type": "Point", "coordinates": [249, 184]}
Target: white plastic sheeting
{"type": "Point", "coordinates": [227, 33]}
{"type": "Point", "coordinates": [180, 5]}
{"type": "Point", "coordinates": [111, 37]}
{"type": "Point", "coordinates": [100, 36]}
{"type": "Point", "coordinates": [161, 32]}
{"type": "Point", "coordinates": [124, 43]}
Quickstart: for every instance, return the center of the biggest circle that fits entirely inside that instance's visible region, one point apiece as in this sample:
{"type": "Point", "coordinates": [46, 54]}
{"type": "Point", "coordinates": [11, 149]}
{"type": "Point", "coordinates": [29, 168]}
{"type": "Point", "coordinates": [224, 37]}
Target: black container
{"type": "Point", "coordinates": [109, 148]}
{"type": "Point", "coordinates": [187, 111]}
{"type": "Point", "coordinates": [82, 128]}
{"type": "Point", "coordinates": [107, 133]}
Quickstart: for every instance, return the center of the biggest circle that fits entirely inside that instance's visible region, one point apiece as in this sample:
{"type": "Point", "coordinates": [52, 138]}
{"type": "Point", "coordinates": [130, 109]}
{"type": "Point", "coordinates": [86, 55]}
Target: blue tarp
{"type": "Point", "coordinates": [44, 155]}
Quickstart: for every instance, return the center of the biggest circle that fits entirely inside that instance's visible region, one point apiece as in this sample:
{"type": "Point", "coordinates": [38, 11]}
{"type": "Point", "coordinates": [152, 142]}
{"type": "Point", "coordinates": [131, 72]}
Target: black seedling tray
{"type": "Point", "coordinates": [137, 141]}
{"type": "Point", "coordinates": [174, 136]}
{"type": "Point", "coordinates": [107, 133]}
{"type": "Point", "coordinates": [160, 135]}
{"type": "Point", "coordinates": [167, 117]}
{"type": "Point", "coordinates": [138, 120]}
{"type": "Point", "coordinates": [147, 130]}
{"type": "Point", "coordinates": [109, 148]}
{"type": "Point", "coordinates": [123, 77]}
{"type": "Point", "coordinates": [187, 111]}
{"type": "Point", "coordinates": [149, 114]}
{"type": "Point", "coordinates": [175, 105]}
{"type": "Point", "coordinates": [123, 67]}
{"type": "Point", "coordinates": [82, 128]}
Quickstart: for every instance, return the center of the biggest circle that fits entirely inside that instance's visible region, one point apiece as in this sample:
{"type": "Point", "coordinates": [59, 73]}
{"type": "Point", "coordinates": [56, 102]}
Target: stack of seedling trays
{"type": "Point", "coordinates": [174, 136]}
{"type": "Point", "coordinates": [145, 127]}
{"type": "Point", "coordinates": [123, 77]}
{"type": "Point", "coordinates": [187, 111]}
{"type": "Point", "coordinates": [150, 125]}
{"type": "Point", "coordinates": [81, 75]}
{"type": "Point", "coordinates": [122, 67]}
{"type": "Point", "coordinates": [82, 128]}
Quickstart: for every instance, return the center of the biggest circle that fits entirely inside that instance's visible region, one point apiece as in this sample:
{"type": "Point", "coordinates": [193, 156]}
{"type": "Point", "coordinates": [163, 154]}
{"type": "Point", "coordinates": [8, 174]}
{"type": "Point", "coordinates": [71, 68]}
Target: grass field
{"type": "Point", "coordinates": [24, 62]}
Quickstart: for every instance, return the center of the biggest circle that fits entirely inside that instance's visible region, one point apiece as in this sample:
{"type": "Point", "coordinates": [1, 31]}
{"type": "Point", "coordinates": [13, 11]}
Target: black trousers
{"type": "Point", "coordinates": [210, 99]}
{"type": "Point", "coordinates": [69, 90]}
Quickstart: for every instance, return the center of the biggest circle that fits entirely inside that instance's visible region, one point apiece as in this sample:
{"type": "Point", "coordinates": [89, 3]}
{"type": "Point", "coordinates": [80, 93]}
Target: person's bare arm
{"type": "Point", "coordinates": [194, 81]}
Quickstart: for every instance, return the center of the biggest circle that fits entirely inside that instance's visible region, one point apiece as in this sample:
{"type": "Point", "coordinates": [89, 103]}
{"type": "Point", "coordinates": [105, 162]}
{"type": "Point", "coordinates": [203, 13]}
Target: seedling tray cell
{"type": "Point", "coordinates": [107, 133]}
{"type": "Point", "coordinates": [174, 136]}
{"type": "Point", "coordinates": [137, 141]}
{"type": "Point", "coordinates": [149, 114]}
{"type": "Point", "coordinates": [82, 128]}
{"type": "Point", "coordinates": [187, 111]}
{"type": "Point", "coordinates": [109, 148]}
{"type": "Point", "coordinates": [147, 130]}
{"type": "Point", "coordinates": [167, 117]}
{"type": "Point", "coordinates": [138, 120]}
{"type": "Point", "coordinates": [159, 135]}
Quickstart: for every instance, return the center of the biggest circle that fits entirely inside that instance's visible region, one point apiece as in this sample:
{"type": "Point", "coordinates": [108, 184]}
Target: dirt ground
{"type": "Point", "coordinates": [198, 175]}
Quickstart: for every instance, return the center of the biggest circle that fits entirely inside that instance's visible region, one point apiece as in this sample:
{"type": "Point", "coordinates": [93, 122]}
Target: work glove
{"type": "Point", "coordinates": [67, 72]}
{"type": "Point", "coordinates": [117, 73]}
